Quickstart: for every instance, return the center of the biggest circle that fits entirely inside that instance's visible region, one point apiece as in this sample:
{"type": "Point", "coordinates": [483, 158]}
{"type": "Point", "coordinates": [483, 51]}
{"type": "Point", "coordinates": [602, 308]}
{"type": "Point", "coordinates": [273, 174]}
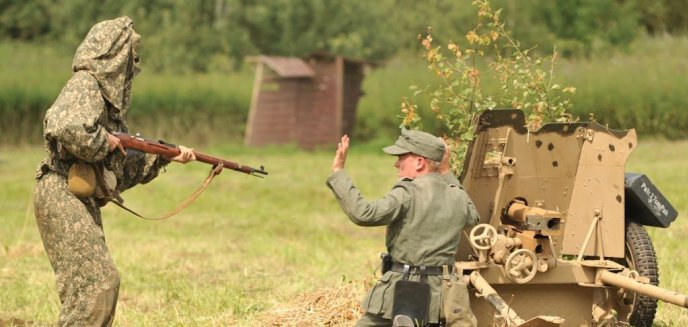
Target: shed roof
{"type": "Point", "coordinates": [287, 66]}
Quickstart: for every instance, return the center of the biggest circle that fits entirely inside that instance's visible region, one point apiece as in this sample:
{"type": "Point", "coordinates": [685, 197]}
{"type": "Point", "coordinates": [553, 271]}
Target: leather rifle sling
{"type": "Point", "coordinates": [117, 200]}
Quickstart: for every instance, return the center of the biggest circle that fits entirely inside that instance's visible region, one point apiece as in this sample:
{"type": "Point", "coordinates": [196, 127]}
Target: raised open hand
{"type": "Point", "coordinates": [340, 157]}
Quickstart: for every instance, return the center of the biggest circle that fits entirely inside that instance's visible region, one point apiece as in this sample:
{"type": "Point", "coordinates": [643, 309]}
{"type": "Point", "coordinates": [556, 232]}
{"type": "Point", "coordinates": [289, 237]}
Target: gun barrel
{"type": "Point", "coordinates": [650, 290]}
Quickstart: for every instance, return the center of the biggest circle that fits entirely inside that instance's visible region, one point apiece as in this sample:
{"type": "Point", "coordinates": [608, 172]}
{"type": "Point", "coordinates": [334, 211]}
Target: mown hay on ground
{"type": "Point", "coordinates": [333, 306]}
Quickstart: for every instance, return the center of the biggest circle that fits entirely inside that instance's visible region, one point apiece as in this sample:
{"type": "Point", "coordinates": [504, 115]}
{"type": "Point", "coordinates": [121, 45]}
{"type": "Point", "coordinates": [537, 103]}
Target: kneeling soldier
{"type": "Point", "coordinates": [424, 213]}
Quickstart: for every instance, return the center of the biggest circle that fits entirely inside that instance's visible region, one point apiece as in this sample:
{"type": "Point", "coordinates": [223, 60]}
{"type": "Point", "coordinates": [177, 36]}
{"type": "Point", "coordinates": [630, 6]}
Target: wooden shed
{"type": "Point", "coordinates": [306, 102]}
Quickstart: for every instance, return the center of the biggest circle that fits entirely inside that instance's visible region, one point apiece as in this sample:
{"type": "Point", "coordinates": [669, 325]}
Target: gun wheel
{"type": "Point", "coordinates": [638, 310]}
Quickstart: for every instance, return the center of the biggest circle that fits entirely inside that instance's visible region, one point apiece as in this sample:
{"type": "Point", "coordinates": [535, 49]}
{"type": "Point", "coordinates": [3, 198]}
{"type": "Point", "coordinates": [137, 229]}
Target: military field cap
{"type": "Point", "coordinates": [417, 142]}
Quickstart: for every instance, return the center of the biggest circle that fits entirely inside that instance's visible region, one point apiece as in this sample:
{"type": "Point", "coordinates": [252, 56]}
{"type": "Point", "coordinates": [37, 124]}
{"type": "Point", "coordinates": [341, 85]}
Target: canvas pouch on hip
{"type": "Point", "coordinates": [81, 179]}
{"type": "Point", "coordinates": [455, 303]}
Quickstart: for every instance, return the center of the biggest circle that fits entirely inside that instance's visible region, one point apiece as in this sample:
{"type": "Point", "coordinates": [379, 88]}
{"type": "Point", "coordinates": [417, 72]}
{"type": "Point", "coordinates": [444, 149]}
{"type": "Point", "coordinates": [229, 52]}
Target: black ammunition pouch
{"type": "Point", "coordinates": [412, 298]}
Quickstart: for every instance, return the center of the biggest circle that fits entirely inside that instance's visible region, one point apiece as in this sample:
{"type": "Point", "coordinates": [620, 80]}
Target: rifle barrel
{"type": "Point", "coordinates": [168, 150]}
{"type": "Point", "coordinates": [230, 164]}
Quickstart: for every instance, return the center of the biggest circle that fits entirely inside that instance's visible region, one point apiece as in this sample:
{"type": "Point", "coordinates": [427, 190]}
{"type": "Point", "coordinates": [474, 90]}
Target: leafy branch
{"type": "Point", "coordinates": [524, 81]}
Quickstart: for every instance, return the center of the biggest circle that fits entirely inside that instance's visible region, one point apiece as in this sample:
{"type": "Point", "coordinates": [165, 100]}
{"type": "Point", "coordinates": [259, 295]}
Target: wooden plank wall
{"type": "Point", "coordinates": [305, 111]}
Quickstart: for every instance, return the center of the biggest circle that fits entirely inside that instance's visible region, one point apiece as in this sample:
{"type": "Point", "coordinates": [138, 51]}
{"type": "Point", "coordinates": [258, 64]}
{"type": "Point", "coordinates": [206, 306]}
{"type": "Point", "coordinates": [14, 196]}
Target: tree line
{"type": "Point", "coordinates": [208, 35]}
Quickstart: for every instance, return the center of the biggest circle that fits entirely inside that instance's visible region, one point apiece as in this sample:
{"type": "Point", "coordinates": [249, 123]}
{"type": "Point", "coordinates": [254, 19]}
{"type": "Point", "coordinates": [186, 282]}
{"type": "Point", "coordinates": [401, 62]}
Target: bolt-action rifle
{"type": "Point", "coordinates": [170, 150]}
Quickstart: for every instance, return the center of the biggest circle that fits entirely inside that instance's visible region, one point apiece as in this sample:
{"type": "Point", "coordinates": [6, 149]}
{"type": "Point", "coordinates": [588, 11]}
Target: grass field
{"type": "Point", "coordinates": [250, 245]}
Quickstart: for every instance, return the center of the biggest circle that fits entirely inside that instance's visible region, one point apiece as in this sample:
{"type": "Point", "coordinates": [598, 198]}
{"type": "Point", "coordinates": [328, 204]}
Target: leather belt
{"type": "Point", "coordinates": [418, 270]}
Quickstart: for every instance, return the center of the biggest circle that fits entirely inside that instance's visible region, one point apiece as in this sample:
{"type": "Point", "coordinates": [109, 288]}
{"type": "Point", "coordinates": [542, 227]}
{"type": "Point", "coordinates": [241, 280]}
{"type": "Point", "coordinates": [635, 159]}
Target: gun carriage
{"type": "Point", "coordinates": [561, 240]}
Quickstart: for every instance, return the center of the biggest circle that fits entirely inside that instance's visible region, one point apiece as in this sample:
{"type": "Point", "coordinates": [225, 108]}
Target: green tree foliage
{"type": "Point", "coordinates": [214, 34]}
{"type": "Point", "coordinates": [356, 29]}
{"type": "Point", "coordinates": [665, 16]}
{"type": "Point", "coordinates": [205, 35]}
{"type": "Point", "coordinates": [192, 35]}
{"type": "Point", "coordinates": [446, 17]}
{"type": "Point", "coordinates": [577, 27]}
{"type": "Point", "coordinates": [24, 20]}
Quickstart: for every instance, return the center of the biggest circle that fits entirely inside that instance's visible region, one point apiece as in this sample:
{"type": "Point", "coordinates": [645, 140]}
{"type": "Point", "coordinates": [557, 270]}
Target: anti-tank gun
{"type": "Point", "coordinates": [561, 238]}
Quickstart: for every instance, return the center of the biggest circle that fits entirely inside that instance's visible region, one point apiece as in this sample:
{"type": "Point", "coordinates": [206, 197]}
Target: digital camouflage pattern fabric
{"type": "Point", "coordinates": [91, 105]}
{"type": "Point", "coordinates": [424, 218]}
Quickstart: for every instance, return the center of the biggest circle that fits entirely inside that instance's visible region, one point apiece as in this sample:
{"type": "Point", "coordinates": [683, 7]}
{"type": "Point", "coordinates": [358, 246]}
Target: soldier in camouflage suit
{"type": "Point", "coordinates": [424, 213]}
{"type": "Point", "coordinates": [78, 127]}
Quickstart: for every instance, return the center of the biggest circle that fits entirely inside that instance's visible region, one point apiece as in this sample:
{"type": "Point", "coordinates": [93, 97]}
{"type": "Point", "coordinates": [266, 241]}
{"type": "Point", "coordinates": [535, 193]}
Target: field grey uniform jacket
{"type": "Point", "coordinates": [424, 218]}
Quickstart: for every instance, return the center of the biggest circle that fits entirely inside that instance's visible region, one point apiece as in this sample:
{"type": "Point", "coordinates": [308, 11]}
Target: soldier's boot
{"type": "Point", "coordinates": [103, 313]}
{"type": "Point", "coordinates": [402, 321]}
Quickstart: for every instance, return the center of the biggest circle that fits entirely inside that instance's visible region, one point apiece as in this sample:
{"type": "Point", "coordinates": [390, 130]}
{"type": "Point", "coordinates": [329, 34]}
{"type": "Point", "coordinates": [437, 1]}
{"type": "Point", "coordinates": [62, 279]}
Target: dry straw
{"type": "Point", "coordinates": [334, 306]}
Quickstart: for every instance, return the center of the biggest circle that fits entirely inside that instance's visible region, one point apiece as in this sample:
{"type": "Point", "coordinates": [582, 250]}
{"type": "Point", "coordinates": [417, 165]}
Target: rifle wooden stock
{"type": "Point", "coordinates": [170, 150]}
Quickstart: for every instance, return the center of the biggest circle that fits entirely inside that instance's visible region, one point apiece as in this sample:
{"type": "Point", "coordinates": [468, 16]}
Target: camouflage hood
{"type": "Point", "coordinates": [108, 53]}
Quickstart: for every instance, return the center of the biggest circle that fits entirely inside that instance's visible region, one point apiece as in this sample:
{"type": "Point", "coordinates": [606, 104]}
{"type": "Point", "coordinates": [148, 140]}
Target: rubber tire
{"type": "Point", "coordinates": [640, 256]}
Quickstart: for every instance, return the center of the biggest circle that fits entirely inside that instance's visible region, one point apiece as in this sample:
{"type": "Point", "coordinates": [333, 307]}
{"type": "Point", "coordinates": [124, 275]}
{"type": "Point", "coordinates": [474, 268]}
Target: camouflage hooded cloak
{"type": "Point", "coordinates": [91, 105]}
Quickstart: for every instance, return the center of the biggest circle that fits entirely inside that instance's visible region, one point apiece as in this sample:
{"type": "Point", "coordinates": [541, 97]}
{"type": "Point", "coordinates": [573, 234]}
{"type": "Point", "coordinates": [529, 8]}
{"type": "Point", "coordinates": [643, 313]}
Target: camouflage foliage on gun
{"type": "Point", "coordinates": [170, 150]}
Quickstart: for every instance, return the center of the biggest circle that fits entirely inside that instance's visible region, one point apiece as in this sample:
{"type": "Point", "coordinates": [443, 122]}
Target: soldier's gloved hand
{"type": "Point", "coordinates": [186, 155]}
